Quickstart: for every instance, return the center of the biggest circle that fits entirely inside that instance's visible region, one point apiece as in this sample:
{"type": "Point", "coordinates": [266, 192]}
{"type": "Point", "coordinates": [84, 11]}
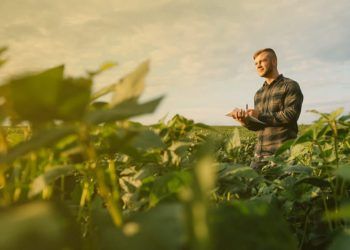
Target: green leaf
{"type": "Point", "coordinates": [245, 172]}
{"type": "Point", "coordinates": [131, 86]}
{"type": "Point", "coordinates": [46, 96]}
{"type": "Point", "coordinates": [38, 225]}
{"type": "Point", "coordinates": [299, 150]}
{"type": "Point", "coordinates": [2, 50]}
{"type": "Point", "coordinates": [105, 66]}
{"type": "Point", "coordinates": [344, 118]}
{"type": "Point", "coordinates": [180, 147]}
{"type": "Point", "coordinates": [234, 141]}
{"type": "Point", "coordinates": [33, 97]}
{"type": "Point", "coordinates": [168, 185]}
{"type": "Point", "coordinates": [147, 139]}
{"type": "Point", "coordinates": [49, 177]}
{"type": "Point", "coordinates": [314, 181]}
{"type": "Point", "coordinates": [305, 137]}
{"type": "Point", "coordinates": [160, 228]}
{"type": "Point", "coordinates": [336, 113]}
{"type": "Point", "coordinates": [284, 147]}
{"type": "Point", "coordinates": [341, 241]}
{"type": "Point", "coordinates": [73, 98]}
{"type": "Point", "coordinates": [250, 225]}
{"type": "Point", "coordinates": [343, 172]}
{"type": "Point", "coordinates": [205, 174]}
{"type": "Point", "coordinates": [45, 138]}
{"type": "Point", "coordinates": [298, 169]}
{"type": "Point", "coordinates": [342, 213]}
{"type": "Point", "coordinates": [103, 91]}
{"type": "Point", "coordinates": [331, 116]}
{"type": "Point", "coordinates": [122, 111]}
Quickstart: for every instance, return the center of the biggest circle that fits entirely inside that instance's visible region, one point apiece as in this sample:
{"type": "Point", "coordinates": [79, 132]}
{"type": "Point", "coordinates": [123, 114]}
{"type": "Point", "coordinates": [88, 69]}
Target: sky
{"type": "Point", "coordinates": [200, 50]}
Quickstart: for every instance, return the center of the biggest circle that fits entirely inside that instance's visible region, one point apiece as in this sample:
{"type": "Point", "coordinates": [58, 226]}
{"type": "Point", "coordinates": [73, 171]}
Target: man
{"type": "Point", "coordinates": [277, 104]}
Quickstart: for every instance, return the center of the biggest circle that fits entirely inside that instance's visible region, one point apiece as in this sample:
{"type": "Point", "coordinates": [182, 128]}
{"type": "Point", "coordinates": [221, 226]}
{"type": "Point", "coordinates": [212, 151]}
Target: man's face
{"type": "Point", "coordinates": [264, 64]}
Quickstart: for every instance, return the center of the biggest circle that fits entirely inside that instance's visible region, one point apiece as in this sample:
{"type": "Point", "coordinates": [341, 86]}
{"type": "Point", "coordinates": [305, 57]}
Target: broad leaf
{"type": "Point", "coordinates": [33, 97]}
{"type": "Point", "coordinates": [305, 137]}
{"type": "Point", "coordinates": [162, 228]}
{"type": "Point", "coordinates": [122, 111]}
{"type": "Point", "coordinates": [147, 139]}
{"type": "Point", "coordinates": [131, 86]}
{"type": "Point", "coordinates": [168, 185]}
{"type": "Point", "coordinates": [73, 98]}
{"type": "Point", "coordinates": [234, 141]}
{"type": "Point", "coordinates": [103, 91]}
{"type": "Point", "coordinates": [49, 177]}
{"type": "Point", "coordinates": [341, 241]}
{"type": "Point", "coordinates": [284, 147]}
{"type": "Point", "coordinates": [38, 225]}
{"type": "Point", "coordinates": [344, 172]}
{"type": "Point", "coordinates": [314, 181]}
{"type": "Point", "coordinates": [250, 225]}
{"type": "Point", "coordinates": [45, 96]}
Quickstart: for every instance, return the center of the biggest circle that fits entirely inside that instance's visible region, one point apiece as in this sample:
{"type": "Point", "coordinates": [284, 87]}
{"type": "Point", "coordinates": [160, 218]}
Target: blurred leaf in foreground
{"type": "Point", "coordinates": [2, 50]}
{"type": "Point", "coordinates": [131, 86]}
{"type": "Point", "coordinates": [45, 96]}
{"type": "Point", "coordinates": [250, 226]}
{"type": "Point", "coordinates": [38, 225]}
{"type": "Point", "coordinates": [122, 111]}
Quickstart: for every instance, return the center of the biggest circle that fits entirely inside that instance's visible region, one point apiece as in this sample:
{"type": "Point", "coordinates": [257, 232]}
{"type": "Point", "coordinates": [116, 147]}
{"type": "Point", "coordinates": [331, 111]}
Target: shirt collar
{"type": "Point", "coordinates": [279, 77]}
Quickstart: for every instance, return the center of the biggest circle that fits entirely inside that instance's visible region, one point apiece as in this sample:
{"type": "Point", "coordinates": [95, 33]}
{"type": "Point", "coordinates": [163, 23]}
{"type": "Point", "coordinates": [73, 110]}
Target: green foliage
{"type": "Point", "coordinates": [122, 111]}
{"type": "Point", "coordinates": [63, 98]}
{"type": "Point", "coordinates": [242, 225]}
{"type": "Point", "coordinates": [38, 225]}
{"type": "Point", "coordinates": [110, 183]}
{"type": "Point", "coordinates": [45, 138]}
{"type": "Point", "coordinates": [52, 174]}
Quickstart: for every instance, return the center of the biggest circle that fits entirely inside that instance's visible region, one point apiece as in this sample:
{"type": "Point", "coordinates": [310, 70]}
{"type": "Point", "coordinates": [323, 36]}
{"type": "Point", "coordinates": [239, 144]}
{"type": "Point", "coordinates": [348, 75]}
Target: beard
{"type": "Point", "coordinates": [267, 72]}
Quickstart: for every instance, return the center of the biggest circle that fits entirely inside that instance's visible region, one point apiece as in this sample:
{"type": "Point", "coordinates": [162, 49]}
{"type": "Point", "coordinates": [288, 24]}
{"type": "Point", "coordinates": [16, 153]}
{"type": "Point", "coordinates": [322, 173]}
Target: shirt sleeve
{"type": "Point", "coordinates": [291, 111]}
{"type": "Point", "coordinates": [253, 126]}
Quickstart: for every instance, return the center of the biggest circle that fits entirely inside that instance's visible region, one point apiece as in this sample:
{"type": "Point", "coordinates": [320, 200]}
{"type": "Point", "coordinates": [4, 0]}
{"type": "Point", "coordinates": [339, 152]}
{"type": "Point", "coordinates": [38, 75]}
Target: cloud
{"type": "Point", "coordinates": [200, 51]}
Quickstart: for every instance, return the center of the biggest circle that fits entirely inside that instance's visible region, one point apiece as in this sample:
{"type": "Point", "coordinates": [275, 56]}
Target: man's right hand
{"type": "Point", "coordinates": [239, 115]}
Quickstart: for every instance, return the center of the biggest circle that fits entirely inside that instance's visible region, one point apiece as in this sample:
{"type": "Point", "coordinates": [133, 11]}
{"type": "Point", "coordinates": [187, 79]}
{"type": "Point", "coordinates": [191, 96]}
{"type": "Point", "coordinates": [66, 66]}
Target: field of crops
{"type": "Point", "coordinates": [76, 173]}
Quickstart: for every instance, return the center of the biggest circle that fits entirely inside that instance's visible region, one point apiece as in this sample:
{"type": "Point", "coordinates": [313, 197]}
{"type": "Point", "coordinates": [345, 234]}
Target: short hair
{"type": "Point", "coordinates": [268, 50]}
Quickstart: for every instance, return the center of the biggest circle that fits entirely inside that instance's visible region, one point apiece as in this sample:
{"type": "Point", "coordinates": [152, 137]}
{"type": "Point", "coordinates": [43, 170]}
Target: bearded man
{"type": "Point", "coordinates": [277, 105]}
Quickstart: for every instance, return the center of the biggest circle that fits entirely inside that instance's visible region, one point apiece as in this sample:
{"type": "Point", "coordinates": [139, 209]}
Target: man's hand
{"type": "Point", "coordinates": [239, 115]}
{"type": "Point", "coordinates": [253, 112]}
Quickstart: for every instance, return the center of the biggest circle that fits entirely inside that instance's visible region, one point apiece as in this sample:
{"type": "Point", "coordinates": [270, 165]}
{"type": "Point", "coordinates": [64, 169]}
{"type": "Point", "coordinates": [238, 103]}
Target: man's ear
{"type": "Point", "coordinates": [274, 62]}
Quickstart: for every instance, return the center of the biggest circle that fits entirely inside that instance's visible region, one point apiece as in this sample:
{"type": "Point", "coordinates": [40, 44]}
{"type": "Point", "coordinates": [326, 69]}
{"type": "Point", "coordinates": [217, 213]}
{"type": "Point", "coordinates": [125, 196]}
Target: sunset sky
{"type": "Point", "coordinates": [200, 51]}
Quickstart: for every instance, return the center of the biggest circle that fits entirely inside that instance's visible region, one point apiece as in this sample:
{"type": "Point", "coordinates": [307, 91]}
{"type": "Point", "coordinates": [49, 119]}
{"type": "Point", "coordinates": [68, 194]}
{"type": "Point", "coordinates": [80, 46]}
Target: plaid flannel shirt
{"type": "Point", "coordinates": [279, 105]}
